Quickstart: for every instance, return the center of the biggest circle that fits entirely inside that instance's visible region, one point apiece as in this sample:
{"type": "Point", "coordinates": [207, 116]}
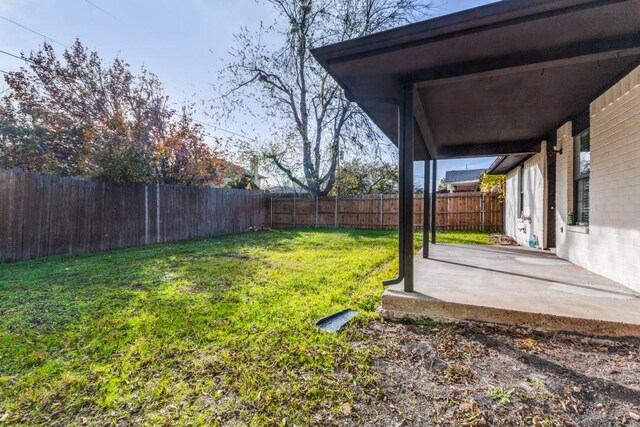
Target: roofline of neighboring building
{"type": "Point", "coordinates": [247, 173]}
{"type": "Point", "coordinates": [462, 182]}
{"type": "Point", "coordinates": [479, 171]}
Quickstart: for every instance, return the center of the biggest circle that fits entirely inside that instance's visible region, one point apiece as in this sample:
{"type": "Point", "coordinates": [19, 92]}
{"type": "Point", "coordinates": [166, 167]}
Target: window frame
{"type": "Point", "coordinates": [581, 179]}
{"type": "Point", "coordinates": [521, 192]}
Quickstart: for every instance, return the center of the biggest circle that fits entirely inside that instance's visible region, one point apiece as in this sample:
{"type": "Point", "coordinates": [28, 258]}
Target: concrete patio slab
{"type": "Point", "coordinates": [514, 285]}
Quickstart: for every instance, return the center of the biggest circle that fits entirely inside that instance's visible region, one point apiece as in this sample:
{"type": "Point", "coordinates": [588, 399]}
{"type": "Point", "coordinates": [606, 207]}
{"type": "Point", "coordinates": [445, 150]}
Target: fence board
{"type": "Point", "coordinates": [454, 211]}
{"type": "Point", "coordinates": [43, 215]}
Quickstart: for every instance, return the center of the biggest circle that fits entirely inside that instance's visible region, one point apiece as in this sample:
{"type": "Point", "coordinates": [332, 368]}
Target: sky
{"type": "Point", "coordinates": [184, 42]}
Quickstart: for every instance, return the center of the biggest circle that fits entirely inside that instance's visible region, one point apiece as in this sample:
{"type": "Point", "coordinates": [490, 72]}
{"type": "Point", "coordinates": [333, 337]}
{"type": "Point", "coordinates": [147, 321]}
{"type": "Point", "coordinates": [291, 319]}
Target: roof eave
{"type": "Point", "coordinates": [496, 163]}
{"type": "Point", "coordinates": [447, 25]}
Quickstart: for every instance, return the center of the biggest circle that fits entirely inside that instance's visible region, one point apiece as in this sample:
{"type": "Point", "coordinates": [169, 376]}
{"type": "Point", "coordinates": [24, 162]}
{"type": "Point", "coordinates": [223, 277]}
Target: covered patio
{"type": "Point", "coordinates": [514, 285]}
{"type": "Point", "coordinates": [491, 81]}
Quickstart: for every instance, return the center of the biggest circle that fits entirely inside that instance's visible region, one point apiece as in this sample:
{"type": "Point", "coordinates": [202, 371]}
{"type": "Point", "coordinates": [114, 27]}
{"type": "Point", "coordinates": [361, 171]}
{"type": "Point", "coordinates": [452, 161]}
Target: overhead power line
{"type": "Point", "coordinates": [102, 10]}
{"type": "Point", "coordinates": [245, 137]}
{"type": "Point", "coordinates": [248, 138]}
{"type": "Point", "coordinates": [14, 55]}
{"type": "Point", "coordinates": [32, 31]}
{"type": "Point", "coordinates": [239, 135]}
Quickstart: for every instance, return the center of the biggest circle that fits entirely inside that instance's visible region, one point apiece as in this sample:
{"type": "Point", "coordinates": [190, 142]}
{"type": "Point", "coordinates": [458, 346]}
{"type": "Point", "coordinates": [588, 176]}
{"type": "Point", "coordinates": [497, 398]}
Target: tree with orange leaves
{"type": "Point", "coordinates": [78, 116]}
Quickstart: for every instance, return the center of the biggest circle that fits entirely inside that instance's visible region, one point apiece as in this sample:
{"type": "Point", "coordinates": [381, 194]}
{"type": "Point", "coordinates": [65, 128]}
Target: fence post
{"type": "Point", "coordinates": [316, 211]}
{"type": "Point", "coordinates": [158, 213]}
{"type": "Point", "coordinates": [271, 210]}
{"type": "Point", "coordinates": [482, 212]}
{"type": "Point", "coordinates": [146, 214]}
{"type": "Point", "coordinates": [381, 211]}
{"type": "Point", "coordinates": [294, 211]}
{"type": "Point", "coordinates": [335, 214]}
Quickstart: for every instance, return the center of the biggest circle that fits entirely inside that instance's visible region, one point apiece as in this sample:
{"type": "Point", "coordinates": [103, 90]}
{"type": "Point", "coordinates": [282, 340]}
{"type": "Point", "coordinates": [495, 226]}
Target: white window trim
{"type": "Point", "coordinates": [581, 229]}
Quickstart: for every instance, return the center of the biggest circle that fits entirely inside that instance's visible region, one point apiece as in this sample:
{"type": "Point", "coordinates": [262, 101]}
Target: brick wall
{"type": "Point", "coordinates": [612, 246]}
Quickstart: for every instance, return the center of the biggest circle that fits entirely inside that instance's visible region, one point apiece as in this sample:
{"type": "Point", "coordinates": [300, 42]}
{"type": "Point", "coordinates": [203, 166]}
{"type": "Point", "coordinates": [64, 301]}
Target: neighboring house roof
{"type": "Point", "coordinates": [241, 170]}
{"type": "Point", "coordinates": [235, 172]}
{"type": "Point", "coordinates": [248, 173]}
{"type": "Point", "coordinates": [470, 175]}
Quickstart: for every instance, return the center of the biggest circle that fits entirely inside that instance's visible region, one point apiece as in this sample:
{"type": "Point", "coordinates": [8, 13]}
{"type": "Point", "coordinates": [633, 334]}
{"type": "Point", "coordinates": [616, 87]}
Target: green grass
{"type": "Point", "coordinates": [500, 394]}
{"type": "Point", "coordinates": [459, 237]}
{"type": "Point", "coordinates": [207, 332]}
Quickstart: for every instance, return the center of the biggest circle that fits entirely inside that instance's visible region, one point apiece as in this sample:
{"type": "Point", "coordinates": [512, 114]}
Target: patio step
{"type": "Point", "coordinates": [398, 305]}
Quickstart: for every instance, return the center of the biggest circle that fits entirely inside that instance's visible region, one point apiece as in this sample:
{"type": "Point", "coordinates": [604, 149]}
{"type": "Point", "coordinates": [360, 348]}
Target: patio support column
{"type": "Point", "coordinates": [406, 145]}
{"type": "Point", "coordinates": [401, 181]}
{"type": "Point", "coordinates": [405, 181]}
{"type": "Point", "coordinates": [426, 211]}
{"type": "Point", "coordinates": [434, 188]}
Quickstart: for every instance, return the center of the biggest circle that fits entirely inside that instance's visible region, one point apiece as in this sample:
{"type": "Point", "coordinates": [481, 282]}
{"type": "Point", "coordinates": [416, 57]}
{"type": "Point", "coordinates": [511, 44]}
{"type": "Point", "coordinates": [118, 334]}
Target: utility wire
{"type": "Point", "coordinates": [248, 138]}
{"type": "Point", "coordinates": [102, 10]}
{"type": "Point", "coordinates": [14, 55]}
{"type": "Point", "coordinates": [32, 31]}
{"type": "Point", "coordinates": [197, 121]}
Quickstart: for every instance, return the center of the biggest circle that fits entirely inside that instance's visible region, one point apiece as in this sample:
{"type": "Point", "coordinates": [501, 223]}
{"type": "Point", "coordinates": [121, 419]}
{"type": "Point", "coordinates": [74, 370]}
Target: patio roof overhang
{"type": "Point", "coordinates": [494, 80]}
{"type": "Point", "coordinates": [503, 164]}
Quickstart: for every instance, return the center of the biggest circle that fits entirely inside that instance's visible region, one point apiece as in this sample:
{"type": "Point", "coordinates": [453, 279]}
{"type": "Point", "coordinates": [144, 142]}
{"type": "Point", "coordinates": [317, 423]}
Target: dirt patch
{"type": "Point", "coordinates": [476, 375]}
{"type": "Point", "coordinates": [502, 240]}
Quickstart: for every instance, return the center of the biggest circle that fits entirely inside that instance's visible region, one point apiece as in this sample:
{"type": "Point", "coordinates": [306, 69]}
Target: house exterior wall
{"type": "Point", "coordinates": [610, 245]}
{"type": "Point", "coordinates": [531, 224]}
{"type": "Point", "coordinates": [511, 213]}
{"type": "Point", "coordinates": [564, 187]}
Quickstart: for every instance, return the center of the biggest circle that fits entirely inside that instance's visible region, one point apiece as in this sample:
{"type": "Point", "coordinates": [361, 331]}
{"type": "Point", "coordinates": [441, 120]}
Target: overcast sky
{"type": "Point", "coordinates": [184, 42]}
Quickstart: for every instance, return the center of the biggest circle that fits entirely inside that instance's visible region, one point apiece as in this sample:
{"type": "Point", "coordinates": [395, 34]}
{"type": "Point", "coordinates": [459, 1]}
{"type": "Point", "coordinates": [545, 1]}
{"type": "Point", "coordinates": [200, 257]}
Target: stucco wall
{"type": "Point", "coordinates": [612, 246]}
{"type": "Point", "coordinates": [532, 221]}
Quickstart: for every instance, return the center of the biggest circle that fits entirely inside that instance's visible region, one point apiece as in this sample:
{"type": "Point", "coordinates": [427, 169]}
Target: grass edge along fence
{"type": "Point", "coordinates": [42, 215]}
{"type": "Point", "coordinates": [454, 211]}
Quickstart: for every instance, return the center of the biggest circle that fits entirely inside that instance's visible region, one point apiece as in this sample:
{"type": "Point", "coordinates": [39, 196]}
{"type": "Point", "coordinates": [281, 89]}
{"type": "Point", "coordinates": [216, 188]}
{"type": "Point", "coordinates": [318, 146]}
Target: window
{"type": "Point", "coordinates": [521, 192]}
{"type": "Point", "coordinates": [581, 171]}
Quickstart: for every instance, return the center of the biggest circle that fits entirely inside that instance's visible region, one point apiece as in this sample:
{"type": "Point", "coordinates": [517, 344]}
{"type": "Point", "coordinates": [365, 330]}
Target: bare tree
{"type": "Point", "coordinates": [310, 119]}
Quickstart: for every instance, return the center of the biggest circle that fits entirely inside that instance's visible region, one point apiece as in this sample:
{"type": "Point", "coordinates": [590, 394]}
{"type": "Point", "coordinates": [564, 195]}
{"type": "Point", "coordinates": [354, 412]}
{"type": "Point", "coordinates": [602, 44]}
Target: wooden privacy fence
{"type": "Point", "coordinates": [44, 215]}
{"type": "Point", "coordinates": [455, 211]}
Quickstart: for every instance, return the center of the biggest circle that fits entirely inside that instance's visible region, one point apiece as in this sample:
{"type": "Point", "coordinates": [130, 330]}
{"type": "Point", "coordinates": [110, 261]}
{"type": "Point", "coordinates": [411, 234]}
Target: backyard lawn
{"type": "Point", "coordinates": [221, 332]}
{"type": "Point", "coordinates": [216, 330]}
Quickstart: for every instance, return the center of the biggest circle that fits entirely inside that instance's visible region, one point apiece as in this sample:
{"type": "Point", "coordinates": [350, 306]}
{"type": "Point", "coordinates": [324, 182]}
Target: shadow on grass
{"type": "Point", "coordinates": [129, 330]}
